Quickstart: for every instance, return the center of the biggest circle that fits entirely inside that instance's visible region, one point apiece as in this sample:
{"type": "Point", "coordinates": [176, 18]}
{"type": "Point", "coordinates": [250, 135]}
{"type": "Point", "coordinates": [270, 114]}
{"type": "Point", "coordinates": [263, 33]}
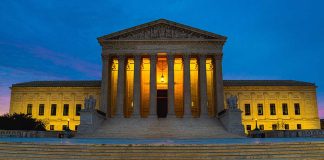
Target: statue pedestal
{"type": "Point", "coordinates": [232, 120]}
{"type": "Point", "coordinates": [89, 121]}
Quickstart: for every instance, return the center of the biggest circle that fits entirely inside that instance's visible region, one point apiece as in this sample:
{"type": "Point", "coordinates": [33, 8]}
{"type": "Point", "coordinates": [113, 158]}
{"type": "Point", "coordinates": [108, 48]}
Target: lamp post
{"type": "Point", "coordinates": [256, 124]}
{"type": "Point", "coordinates": [68, 123]}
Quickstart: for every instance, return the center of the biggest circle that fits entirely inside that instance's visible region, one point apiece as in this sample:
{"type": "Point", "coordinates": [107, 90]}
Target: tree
{"type": "Point", "coordinates": [20, 122]}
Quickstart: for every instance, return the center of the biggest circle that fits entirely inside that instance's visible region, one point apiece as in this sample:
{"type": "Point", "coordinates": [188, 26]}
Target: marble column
{"type": "Point", "coordinates": [137, 86]}
{"type": "Point", "coordinates": [186, 87]}
{"type": "Point", "coordinates": [106, 86]}
{"type": "Point", "coordinates": [219, 87]}
{"type": "Point", "coordinates": [171, 111]}
{"type": "Point", "coordinates": [120, 87]}
{"type": "Point", "coordinates": [153, 91]}
{"type": "Point", "coordinates": [202, 86]}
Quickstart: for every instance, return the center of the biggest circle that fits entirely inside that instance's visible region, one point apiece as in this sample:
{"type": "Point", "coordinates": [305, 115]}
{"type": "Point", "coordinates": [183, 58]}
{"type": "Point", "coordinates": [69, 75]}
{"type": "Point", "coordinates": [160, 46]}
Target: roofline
{"type": "Point", "coordinates": [97, 83]}
{"type": "Point", "coordinates": [165, 21]}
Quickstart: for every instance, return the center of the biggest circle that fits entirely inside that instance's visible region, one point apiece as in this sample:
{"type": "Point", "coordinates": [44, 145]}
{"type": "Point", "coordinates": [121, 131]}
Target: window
{"type": "Point", "coordinates": [247, 109]}
{"type": "Point", "coordinates": [77, 109]}
{"type": "Point", "coordinates": [53, 110]}
{"type": "Point", "coordinates": [260, 109]}
{"type": "Point", "coordinates": [76, 127]}
{"type": "Point", "coordinates": [274, 127]}
{"type": "Point", "coordinates": [297, 109]}
{"type": "Point", "coordinates": [51, 127]}
{"type": "Point", "coordinates": [64, 127]}
{"type": "Point", "coordinates": [248, 127]}
{"type": "Point", "coordinates": [299, 126]}
{"type": "Point", "coordinates": [29, 109]}
{"type": "Point", "coordinates": [286, 126]}
{"type": "Point", "coordinates": [285, 109]}
{"type": "Point", "coordinates": [261, 127]}
{"type": "Point", "coordinates": [41, 109]}
{"type": "Point", "coordinates": [272, 109]}
{"type": "Point", "coordinates": [65, 109]}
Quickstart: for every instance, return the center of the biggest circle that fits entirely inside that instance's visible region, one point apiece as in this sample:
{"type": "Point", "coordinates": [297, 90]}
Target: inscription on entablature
{"type": "Point", "coordinates": [151, 46]}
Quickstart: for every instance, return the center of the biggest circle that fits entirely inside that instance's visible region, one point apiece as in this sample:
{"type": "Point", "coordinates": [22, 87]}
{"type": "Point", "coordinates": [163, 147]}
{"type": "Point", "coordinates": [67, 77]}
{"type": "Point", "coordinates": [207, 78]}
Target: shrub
{"type": "Point", "coordinates": [20, 122]}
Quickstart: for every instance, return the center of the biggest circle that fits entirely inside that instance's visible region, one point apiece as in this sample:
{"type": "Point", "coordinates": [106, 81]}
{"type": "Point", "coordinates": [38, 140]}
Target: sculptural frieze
{"type": "Point", "coordinates": [161, 31]}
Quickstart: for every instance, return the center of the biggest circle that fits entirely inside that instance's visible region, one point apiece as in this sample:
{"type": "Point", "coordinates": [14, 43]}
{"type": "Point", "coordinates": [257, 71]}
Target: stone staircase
{"type": "Point", "coordinates": [149, 128]}
{"type": "Point", "coordinates": [291, 150]}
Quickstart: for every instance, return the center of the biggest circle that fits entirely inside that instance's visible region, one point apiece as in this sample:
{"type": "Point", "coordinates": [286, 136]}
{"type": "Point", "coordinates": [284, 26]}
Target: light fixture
{"type": "Point", "coordinates": [162, 77]}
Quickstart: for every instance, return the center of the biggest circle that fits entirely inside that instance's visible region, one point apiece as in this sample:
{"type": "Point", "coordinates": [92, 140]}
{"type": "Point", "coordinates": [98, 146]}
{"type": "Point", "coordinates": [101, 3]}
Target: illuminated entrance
{"type": "Point", "coordinates": [162, 103]}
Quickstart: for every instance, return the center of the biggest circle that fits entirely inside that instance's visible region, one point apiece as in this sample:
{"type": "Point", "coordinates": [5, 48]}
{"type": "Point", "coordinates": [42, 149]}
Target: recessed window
{"type": "Point", "coordinates": [285, 109]}
{"type": "Point", "coordinates": [286, 126]}
{"type": "Point", "coordinates": [41, 109]}
{"type": "Point", "coordinates": [261, 127]}
{"type": "Point", "coordinates": [29, 109]}
{"type": "Point", "coordinates": [247, 109]}
{"type": "Point", "coordinates": [297, 109]}
{"type": "Point", "coordinates": [299, 126]}
{"type": "Point", "coordinates": [65, 109]}
{"type": "Point", "coordinates": [51, 127]}
{"type": "Point", "coordinates": [77, 109]}
{"type": "Point", "coordinates": [248, 127]}
{"type": "Point", "coordinates": [272, 109]}
{"type": "Point", "coordinates": [274, 127]}
{"type": "Point", "coordinates": [260, 109]}
{"type": "Point", "coordinates": [53, 110]}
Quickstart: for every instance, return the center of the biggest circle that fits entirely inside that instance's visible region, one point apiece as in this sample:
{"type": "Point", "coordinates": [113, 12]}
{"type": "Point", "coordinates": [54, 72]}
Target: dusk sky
{"type": "Point", "coordinates": [56, 40]}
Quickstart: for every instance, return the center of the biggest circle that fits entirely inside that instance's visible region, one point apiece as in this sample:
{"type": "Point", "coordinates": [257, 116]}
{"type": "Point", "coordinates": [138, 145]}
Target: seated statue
{"type": "Point", "coordinates": [89, 103]}
{"type": "Point", "coordinates": [232, 102]}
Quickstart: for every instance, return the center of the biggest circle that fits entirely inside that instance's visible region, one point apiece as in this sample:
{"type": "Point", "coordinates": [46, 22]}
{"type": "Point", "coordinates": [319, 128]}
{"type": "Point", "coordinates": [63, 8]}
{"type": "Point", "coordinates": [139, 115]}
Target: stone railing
{"type": "Point", "coordinates": [287, 133]}
{"type": "Point", "coordinates": [30, 134]}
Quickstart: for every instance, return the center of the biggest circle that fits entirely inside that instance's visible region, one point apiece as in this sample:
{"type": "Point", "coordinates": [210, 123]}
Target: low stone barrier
{"type": "Point", "coordinates": [30, 134]}
{"type": "Point", "coordinates": [314, 133]}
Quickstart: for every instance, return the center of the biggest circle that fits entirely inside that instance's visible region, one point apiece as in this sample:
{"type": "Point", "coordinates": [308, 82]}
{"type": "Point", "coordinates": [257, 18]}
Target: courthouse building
{"type": "Point", "coordinates": [164, 69]}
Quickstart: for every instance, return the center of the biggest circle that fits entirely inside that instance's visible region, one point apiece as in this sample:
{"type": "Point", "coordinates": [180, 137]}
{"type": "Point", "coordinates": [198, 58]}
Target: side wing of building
{"type": "Point", "coordinates": [276, 105]}
{"type": "Point", "coordinates": [57, 103]}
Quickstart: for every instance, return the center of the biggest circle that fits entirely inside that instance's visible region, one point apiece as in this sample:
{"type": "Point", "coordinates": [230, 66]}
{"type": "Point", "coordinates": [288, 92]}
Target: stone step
{"type": "Point", "coordinates": [311, 155]}
{"type": "Point", "coordinates": [165, 146]}
{"type": "Point", "coordinates": [160, 128]}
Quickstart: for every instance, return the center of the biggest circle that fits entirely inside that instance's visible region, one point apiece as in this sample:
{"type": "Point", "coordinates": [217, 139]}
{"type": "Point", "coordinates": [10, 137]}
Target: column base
{"type": "Point", "coordinates": [171, 116]}
{"type": "Point", "coordinates": [135, 116]}
{"type": "Point", "coordinates": [118, 116]}
{"type": "Point", "coordinates": [152, 116]}
{"type": "Point", "coordinates": [204, 116]}
{"type": "Point", "coordinates": [187, 116]}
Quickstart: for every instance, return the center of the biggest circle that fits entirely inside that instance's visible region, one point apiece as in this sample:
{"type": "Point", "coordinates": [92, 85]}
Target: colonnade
{"type": "Point", "coordinates": [202, 80]}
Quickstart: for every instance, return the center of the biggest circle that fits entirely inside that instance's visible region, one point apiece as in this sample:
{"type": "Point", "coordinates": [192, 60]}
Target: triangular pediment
{"type": "Point", "coordinates": [160, 30]}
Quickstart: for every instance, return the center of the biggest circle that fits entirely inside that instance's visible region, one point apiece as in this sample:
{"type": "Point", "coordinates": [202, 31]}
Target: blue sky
{"type": "Point", "coordinates": [56, 39]}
